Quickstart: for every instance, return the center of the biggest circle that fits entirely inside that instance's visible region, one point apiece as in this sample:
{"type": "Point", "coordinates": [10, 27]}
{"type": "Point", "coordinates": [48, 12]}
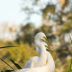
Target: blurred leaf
{"type": "Point", "coordinates": [6, 63]}
{"type": "Point", "coordinates": [1, 68]}
{"type": "Point", "coordinates": [71, 40]}
{"type": "Point", "coordinates": [66, 27]}
{"type": "Point", "coordinates": [8, 70]}
{"type": "Point", "coordinates": [70, 66]}
{"type": "Point", "coordinates": [71, 59]}
{"type": "Point", "coordinates": [69, 16]}
{"type": "Point", "coordinates": [15, 64]}
{"type": "Point", "coordinates": [63, 3]}
{"type": "Point", "coordinates": [49, 8]}
{"type": "Point", "coordinates": [7, 46]}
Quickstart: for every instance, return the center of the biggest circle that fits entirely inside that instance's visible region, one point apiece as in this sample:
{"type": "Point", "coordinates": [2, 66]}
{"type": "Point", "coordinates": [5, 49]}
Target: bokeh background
{"type": "Point", "coordinates": [20, 20]}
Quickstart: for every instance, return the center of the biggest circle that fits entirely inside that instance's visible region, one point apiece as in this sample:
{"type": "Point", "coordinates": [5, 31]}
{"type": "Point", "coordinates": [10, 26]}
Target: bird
{"type": "Point", "coordinates": [49, 67]}
{"type": "Point", "coordinates": [37, 61]}
{"type": "Point", "coordinates": [41, 42]}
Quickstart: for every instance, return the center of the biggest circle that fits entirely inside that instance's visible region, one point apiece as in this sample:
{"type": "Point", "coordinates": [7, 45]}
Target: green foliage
{"type": "Point", "coordinates": [46, 29]}
{"type": "Point", "coordinates": [27, 34]}
{"type": "Point", "coordinates": [69, 16]}
{"type": "Point", "coordinates": [71, 40]}
{"type": "Point", "coordinates": [28, 39]}
{"type": "Point", "coordinates": [49, 8]}
{"type": "Point", "coordinates": [70, 66]}
{"type": "Point", "coordinates": [7, 47]}
{"type": "Point", "coordinates": [27, 29]}
{"type": "Point", "coordinates": [71, 59]}
{"type": "Point", "coordinates": [15, 64]}
{"type": "Point", "coordinates": [66, 27]}
{"type": "Point", "coordinates": [20, 54]}
{"type": "Point", "coordinates": [6, 63]}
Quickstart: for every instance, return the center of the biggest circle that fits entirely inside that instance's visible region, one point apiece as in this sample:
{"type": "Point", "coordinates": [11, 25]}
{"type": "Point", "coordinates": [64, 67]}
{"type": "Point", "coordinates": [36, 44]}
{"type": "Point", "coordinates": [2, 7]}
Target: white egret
{"type": "Point", "coordinates": [41, 49]}
{"type": "Point", "coordinates": [50, 66]}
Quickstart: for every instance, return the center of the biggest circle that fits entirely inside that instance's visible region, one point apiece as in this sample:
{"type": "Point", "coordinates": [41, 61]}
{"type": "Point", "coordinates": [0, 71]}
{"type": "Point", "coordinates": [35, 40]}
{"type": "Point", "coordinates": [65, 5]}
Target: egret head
{"type": "Point", "coordinates": [40, 39]}
{"type": "Point", "coordinates": [39, 36]}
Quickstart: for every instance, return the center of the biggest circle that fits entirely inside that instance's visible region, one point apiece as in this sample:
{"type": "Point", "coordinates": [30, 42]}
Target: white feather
{"type": "Point", "coordinates": [40, 48]}
{"type": "Point", "coordinates": [37, 64]}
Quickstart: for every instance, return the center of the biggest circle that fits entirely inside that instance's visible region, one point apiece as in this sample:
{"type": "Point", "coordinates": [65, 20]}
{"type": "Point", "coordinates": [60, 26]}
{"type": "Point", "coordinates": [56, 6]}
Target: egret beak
{"type": "Point", "coordinates": [49, 47]}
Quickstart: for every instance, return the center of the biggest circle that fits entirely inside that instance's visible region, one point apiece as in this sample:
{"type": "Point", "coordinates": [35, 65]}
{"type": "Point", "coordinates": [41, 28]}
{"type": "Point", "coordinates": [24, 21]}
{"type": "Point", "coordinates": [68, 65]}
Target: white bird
{"type": "Point", "coordinates": [47, 68]}
{"type": "Point", "coordinates": [50, 66]}
{"type": "Point", "coordinates": [41, 49]}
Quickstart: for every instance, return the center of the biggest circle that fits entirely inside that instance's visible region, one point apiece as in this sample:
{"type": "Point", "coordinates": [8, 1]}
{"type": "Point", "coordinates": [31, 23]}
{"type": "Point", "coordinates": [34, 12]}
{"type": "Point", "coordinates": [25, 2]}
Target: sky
{"type": "Point", "coordinates": [10, 11]}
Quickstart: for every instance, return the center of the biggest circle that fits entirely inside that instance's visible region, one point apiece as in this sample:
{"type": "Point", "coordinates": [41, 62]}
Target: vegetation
{"type": "Point", "coordinates": [14, 54]}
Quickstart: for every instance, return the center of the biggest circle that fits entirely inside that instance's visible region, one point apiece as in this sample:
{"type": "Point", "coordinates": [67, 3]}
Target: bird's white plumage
{"type": "Point", "coordinates": [47, 68]}
{"type": "Point", "coordinates": [39, 64]}
{"type": "Point", "coordinates": [40, 48]}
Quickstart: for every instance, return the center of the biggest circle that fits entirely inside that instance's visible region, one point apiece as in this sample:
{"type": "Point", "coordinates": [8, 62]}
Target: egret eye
{"type": "Point", "coordinates": [44, 37]}
{"type": "Point", "coordinates": [42, 40]}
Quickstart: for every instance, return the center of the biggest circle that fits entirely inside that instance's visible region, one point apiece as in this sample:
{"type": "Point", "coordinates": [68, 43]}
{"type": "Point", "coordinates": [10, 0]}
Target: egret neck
{"type": "Point", "coordinates": [50, 63]}
{"type": "Point", "coordinates": [43, 55]}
